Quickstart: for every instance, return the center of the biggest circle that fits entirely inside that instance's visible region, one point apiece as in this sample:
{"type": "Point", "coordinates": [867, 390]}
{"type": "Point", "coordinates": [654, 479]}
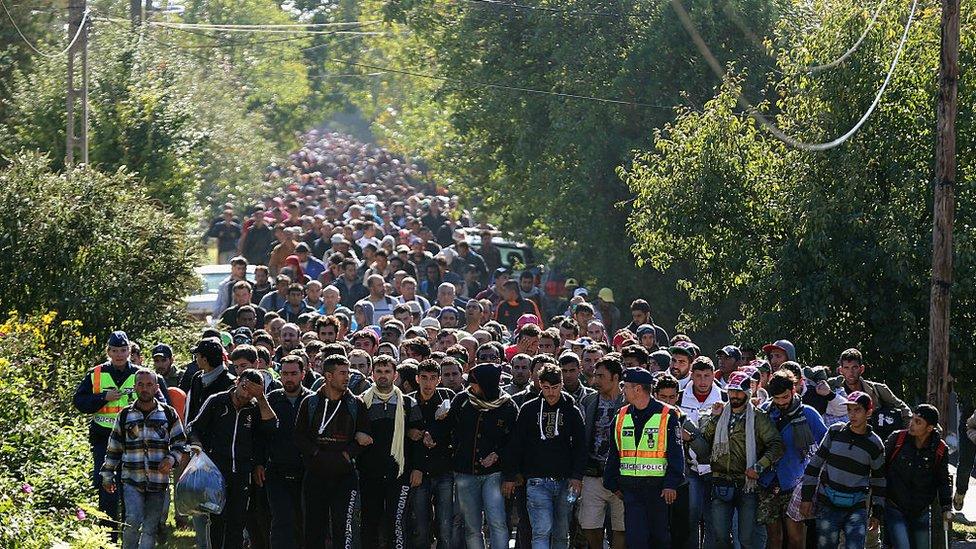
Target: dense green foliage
{"type": "Point", "coordinates": [92, 247]}
{"type": "Point", "coordinates": [830, 250]}
{"type": "Point", "coordinates": [46, 498]}
{"type": "Point", "coordinates": [544, 166]}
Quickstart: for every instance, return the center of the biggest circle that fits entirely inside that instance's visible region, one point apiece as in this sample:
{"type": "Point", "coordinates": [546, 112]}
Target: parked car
{"type": "Point", "coordinates": [201, 305]}
{"type": "Point", "coordinates": [515, 255]}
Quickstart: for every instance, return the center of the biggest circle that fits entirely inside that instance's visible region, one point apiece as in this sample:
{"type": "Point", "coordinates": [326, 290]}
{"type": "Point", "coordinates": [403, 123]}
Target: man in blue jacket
{"type": "Point", "coordinates": [801, 428]}
{"type": "Point", "coordinates": [645, 464]}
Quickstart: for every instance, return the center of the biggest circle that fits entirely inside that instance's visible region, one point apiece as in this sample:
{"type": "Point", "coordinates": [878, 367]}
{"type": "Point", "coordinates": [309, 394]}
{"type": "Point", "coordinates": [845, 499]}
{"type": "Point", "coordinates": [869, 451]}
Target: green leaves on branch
{"type": "Point", "coordinates": [92, 247]}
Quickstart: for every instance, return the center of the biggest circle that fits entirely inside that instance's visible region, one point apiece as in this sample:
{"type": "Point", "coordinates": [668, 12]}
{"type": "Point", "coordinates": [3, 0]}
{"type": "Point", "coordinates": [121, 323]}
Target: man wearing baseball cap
{"type": "Point", "coordinates": [779, 352]}
{"type": "Point", "coordinates": [645, 464]}
{"type": "Point", "coordinates": [745, 443]}
{"type": "Point", "coordinates": [918, 473]}
{"type": "Point", "coordinates": [728, 360]}
{"type": "Point", "coordinates": [162, 357]}
{"type": "Point", "coordinates": [847, 476]}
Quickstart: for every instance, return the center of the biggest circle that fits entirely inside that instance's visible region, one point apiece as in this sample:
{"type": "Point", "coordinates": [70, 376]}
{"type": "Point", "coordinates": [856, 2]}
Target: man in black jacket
{"type": "Point", "coordinates": [283, 472]}
{"type": "Point", "coordinates": [917, 474]}
{"type": "Point", "coordinates": [330, 431]}
{"type": "Point", "coordinates": [437, 488]}
{"type": "Point", "coordinates": [229, 428]}
{"type": "Point", "coordinates": [480, 425]}
{"type": "Point", "coordinates": [210, 378]}
{"type": "Point", "coordinates": [392, 463]}
{"type": "Point", "coordinates": [548, 448]}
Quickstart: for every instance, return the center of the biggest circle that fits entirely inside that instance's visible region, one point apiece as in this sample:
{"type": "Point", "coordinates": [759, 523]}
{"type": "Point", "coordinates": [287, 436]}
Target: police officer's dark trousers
{"type": "Point", "coordinates": [645, 515]}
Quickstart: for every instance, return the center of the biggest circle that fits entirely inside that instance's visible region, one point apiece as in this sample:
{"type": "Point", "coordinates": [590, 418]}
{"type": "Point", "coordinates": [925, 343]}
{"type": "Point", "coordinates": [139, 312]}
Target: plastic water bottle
{"type": "Point", "coordinates": [571, 496]}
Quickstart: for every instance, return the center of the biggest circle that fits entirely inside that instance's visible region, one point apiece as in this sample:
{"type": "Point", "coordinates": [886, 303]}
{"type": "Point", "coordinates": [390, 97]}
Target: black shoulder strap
{"type": "Point", "coordinates": [351, 405]}
{"type": "Point", "coordinates": [313, 404]}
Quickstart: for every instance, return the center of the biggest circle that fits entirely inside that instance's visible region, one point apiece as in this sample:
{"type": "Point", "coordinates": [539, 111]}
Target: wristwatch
{"type": "Point", "coordinates": [758, 469]}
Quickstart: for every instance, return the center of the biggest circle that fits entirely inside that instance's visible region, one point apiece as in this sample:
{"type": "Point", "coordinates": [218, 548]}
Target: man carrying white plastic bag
{"type": "Point", "coordinates": [146, 442]}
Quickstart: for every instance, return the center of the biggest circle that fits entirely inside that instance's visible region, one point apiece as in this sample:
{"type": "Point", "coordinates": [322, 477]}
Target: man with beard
{"type": "Point", "coordinates": [392, 464]}
{"type": "Point", "coordinates": [521, 372]}
{"type": "Point", "coordinates": [801, 429]}
{"type": "Point", "coordinates": [695, 401]}
{"type": "Point", "coordinates": [331, 430]}
{"type": "Point", "coordinates": [745, 444]}
{"type": "Point", "coordinates": [145, 444]}
{"type": "Point", "coordinates": [283, 472]}
{"type": "Point", "coordinates": [599, 410]}
{"type": "Point", "coordinates": [290, 341]}
{"type": "Point", "coordinates": [682, 354]}
{"type": "Point", "coordinates": [229, 428]}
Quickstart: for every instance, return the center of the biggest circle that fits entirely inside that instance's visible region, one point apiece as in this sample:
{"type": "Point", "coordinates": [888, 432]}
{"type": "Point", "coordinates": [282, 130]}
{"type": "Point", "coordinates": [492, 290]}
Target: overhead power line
{"type": "Point", "coordinates": [763, 121]}
{"type": "Point", "coordinates": [475, 83]}
{"type": "Point", "coordinates": [267, 26]}
{"type": "Point", "coordinates": [850, 51]}
{"type": "Point", "coordinates": [81, 28]}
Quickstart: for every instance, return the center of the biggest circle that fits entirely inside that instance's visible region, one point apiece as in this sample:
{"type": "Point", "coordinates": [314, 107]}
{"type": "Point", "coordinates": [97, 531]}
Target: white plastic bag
{"type": "Point", "coordinates": [201, 488]}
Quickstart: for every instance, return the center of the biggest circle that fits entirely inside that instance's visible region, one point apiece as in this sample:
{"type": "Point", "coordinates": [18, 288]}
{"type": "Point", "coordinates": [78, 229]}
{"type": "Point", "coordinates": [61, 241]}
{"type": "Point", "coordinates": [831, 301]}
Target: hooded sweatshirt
{"type": "Point", "coordinates": [549, 441]}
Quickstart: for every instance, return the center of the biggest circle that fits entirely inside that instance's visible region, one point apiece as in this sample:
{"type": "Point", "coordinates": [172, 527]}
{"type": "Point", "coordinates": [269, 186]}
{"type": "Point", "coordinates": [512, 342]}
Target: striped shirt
{"type": "Point", "coordinates": [141, 443]}
{"type": "Point", "coordinates": [848, 463]}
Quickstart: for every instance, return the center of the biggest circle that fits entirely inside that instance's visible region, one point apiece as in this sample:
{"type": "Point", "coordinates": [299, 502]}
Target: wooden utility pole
{"type": "Point", "coordinates": [76, 139]}
{"type": "Point", "coordinates": [944, 208]}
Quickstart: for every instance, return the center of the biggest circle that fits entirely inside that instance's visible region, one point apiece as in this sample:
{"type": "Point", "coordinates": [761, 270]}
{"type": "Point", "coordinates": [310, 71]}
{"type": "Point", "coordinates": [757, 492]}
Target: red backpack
{"type": "Point", "coordinates": [940, 450]}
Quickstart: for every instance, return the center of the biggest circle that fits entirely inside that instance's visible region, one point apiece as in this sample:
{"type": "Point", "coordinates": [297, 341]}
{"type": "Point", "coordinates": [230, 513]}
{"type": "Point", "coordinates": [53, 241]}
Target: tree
{"type": "Point", "coordinates": [831, 249]}
{"type": "Point", "coordinates": [92, 247]}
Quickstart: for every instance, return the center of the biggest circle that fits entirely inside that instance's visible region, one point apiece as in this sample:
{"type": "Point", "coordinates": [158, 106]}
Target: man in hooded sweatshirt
{"type": "Point", "coordinates": [392, 463]}
{"type": "Point", "coordinates": [548, 448]}
{"type": "Point", "coordinates": [479, 425]}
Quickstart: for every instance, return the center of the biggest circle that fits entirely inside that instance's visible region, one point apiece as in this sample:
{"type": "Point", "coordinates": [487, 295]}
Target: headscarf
{"type": "Point", "coordinates": [296, 265]}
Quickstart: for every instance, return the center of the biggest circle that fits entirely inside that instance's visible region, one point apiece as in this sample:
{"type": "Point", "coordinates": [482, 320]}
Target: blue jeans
{"type": "Point", "coordinates": [745, 506]}
{"type": "Point", "coordinates": [906, 532]}
{"type": "Point", "coordinates": [831, 521]}
{"type": "Point", "coordinates": [700, 511]}
{"type": "Point", "coordinates": [440, 489]}
{"type": "Point", "coordinates": [142, 513]}
{"type": "Point", "coordinates": [548, 512]}
{"type": "Point", "coordinates": [480, 497]}
{"type": "Point", "coordinates": [201, 530]}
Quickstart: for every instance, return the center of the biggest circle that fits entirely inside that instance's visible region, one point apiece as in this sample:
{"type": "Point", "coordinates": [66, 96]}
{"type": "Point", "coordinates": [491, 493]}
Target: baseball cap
{"type": "Point", "coordinates": [862, 399]}
{"type": "Point", "coordinates": [683, 348]}
{"type": "Point", "coordinates": [502, 271]}
{"type": "Point", "coordinates": [739, 381]}
{"type": "Point", "coordinates": [783, 345]}
{"type": "Point", "coordinates": [163, 350]}
{"type": "Point", "coordinates": [580, 291]}
{"type": "Point", "coordinates": [730, 351]}
{"type": "Point", "coordinates": [605, 295]}
{"type": "Point", "coordinates": [302, 247]}
{"type": "Point", "coordinates": [571, 283]}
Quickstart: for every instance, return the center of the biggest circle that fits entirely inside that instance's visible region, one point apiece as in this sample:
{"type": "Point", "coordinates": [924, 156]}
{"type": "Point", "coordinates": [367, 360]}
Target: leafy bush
{"type": "Point", "coordinates": [46, 496]}
{"type": "Point", "coordinates": [92, 247]}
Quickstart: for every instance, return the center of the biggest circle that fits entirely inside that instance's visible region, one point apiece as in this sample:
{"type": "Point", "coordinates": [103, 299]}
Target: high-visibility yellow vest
{"type": "Point", "coordinates": [648, 457]}
{"type": "Point", "coordinates": [102, 381]}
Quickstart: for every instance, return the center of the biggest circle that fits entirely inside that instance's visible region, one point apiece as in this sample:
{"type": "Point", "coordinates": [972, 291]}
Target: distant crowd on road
{"type": "Point", "coordinates": [384, 382]}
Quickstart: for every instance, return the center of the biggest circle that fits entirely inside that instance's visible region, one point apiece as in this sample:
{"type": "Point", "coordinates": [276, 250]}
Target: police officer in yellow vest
{"type": "Point", "coordinates": [645, 465]}
{"type": "Point", "coordinates": [104, 391]}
